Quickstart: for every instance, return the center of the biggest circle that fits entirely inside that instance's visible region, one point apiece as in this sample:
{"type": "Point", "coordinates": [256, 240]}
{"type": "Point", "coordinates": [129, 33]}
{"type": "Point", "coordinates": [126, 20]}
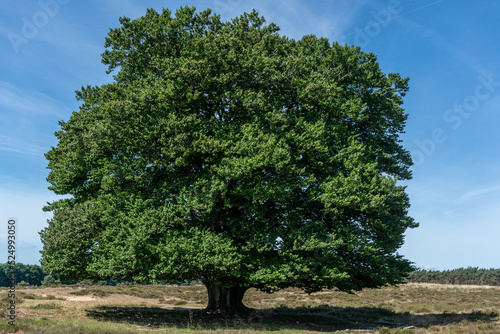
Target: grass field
{"type": "Point", "coordinates": [412, 308]}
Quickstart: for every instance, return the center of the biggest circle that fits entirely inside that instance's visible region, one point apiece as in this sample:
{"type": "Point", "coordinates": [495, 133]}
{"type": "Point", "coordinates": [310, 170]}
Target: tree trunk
{"type": "Point", "coordinates": [226, 300]}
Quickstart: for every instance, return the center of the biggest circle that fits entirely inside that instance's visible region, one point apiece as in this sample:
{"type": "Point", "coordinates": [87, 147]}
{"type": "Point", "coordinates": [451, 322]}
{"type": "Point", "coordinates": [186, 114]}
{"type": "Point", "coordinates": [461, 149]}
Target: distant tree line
{"type": "Point", "coordinates": [33, 274]}
{"type": "Point", "coordinates": [28, 274]}
{"type": "Point", "coordinates": [467, 276]}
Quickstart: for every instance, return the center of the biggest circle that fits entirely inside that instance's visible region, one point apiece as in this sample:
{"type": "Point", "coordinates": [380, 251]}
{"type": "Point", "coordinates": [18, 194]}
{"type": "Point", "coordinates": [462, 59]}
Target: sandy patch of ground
{"type": "Point", "coordinates": [65, 297]}
{"type": "Point", "coordinates": [80, 298]}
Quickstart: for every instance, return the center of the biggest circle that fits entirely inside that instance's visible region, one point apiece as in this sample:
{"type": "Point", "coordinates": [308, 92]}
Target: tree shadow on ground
{"type": "Point", "coordinates": [323, 318]}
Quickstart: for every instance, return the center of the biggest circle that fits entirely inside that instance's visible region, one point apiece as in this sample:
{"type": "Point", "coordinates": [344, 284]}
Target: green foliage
{"type": "Point", "coordinates": [49, 280]}
{"type": "Point", "coordinates": [227, 153]}
{"type": "Point", "coordinates": [31, 274]}
{"type": "Point", "coordinates": [46, 306]}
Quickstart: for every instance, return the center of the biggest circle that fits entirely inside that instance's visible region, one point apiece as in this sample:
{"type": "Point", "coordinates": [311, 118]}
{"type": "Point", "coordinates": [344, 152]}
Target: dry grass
{"type": "Point", "coordinates": [412, 308]}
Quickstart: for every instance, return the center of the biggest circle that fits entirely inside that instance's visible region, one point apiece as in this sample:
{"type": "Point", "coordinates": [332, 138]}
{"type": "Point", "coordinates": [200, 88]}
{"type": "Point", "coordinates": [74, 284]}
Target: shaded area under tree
{"type": "Point", "coordinates": [323, 318]}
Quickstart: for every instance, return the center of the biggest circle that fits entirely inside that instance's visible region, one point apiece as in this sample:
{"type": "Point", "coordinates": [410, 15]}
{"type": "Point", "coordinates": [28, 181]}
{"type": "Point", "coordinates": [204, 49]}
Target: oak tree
{"type": "Point", "coordinates": [227, 153]}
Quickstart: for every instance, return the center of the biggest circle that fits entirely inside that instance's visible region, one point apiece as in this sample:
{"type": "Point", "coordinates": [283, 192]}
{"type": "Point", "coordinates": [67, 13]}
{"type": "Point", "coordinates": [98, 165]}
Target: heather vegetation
{"type": "Point", "coordinates": [410, 308]}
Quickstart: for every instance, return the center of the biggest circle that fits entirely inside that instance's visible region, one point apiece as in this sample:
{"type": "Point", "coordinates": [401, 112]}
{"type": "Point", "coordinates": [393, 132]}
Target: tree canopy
{"type": "Point", "coordinates": [227, 153]}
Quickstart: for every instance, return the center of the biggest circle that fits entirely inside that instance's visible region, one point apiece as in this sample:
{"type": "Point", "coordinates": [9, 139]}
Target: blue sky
{"type": "Point", "coordinates": [450, 49]}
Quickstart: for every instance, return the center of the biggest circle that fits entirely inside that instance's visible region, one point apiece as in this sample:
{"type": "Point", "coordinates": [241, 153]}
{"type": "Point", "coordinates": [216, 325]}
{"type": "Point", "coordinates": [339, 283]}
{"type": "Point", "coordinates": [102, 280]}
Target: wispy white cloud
{"type": "Point", "coordinates": [454, 51]}
{"type": "Point", "coordinates": [296, 18]}
{"type": "Point", "coordinates": [22, 101]}
{"type": "Point", "coordinates": [480, 192]}
{"type": "Point", "coordinates": [381, 5]}
{"type": "Point", "coordinates": [420, 8]}
{"type": "Point", "coordinates": [23, 112]}
{"type": "Point", "coordinates": [299, 18]}
{"type": "Point", "coordinates": [22, 148]}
